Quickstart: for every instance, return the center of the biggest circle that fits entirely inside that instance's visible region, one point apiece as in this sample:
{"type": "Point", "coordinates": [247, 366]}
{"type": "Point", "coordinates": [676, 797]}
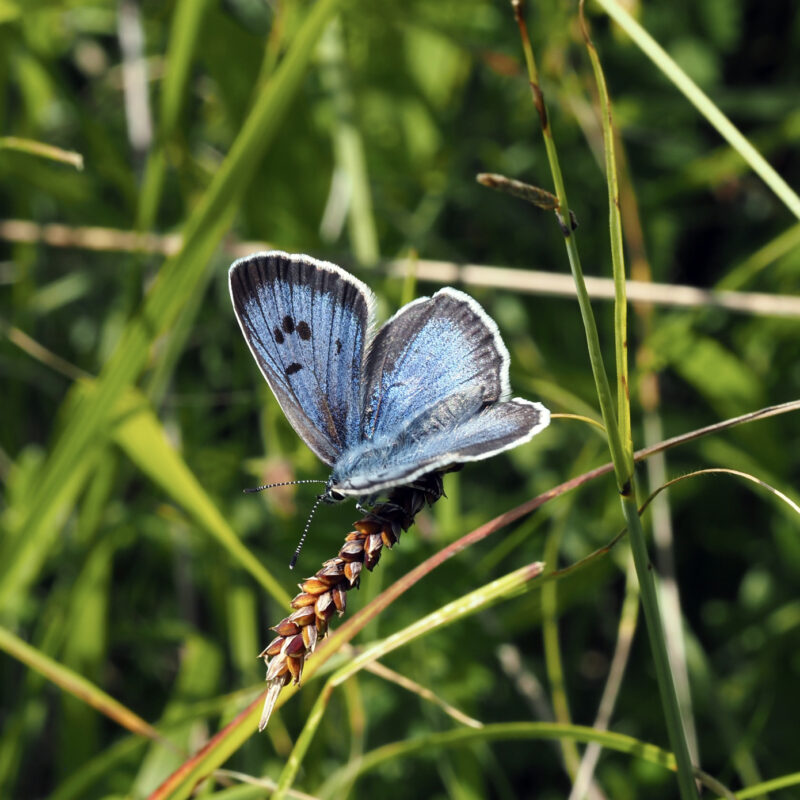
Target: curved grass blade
{"type": "Point", "coordinates": [510, 585]}
{"type": "Point", "coordinates": [615, 235]}
{"type": "Point", "coordinates": [723, 471]}
{"type": "Point", "coordinates": [508, 731]}
{"type": "Point", "coordinates": [773, 785]}
{"type": "Point", "coordinates": [78, 686]}
{"type": "Point", "coordinates": [186, 22]}
{"type": "Point", "coordinates": [42, 150]}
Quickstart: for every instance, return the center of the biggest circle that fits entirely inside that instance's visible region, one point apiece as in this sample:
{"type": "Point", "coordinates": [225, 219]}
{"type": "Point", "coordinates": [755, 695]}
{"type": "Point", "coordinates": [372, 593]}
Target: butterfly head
{"type": "Point", "coordinates": [330, 495]}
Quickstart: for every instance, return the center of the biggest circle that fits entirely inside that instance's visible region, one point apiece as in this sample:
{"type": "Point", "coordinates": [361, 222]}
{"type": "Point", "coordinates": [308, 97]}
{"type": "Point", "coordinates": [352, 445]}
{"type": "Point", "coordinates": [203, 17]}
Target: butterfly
{"type": "Point", "coordinates": [428, 391]}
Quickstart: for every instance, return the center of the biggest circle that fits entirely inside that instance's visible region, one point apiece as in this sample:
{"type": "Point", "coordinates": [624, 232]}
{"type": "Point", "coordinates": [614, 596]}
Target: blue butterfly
{"type": "Point", "coordinates": [428, 391]}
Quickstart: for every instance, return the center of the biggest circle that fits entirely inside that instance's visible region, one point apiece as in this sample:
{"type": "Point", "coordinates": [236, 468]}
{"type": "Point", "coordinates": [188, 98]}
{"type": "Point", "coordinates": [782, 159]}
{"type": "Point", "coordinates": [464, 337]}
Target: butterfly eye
{"type": "Point", "coordinates": [332, 496]}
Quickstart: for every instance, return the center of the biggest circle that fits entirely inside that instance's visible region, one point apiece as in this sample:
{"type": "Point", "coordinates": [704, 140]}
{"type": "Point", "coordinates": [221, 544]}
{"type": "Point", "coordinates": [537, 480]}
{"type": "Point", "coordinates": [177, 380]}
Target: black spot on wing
{"type": "Point", "coordinates": [293, 367]}
{"type": "Point", "coordinates": [338, 346]}
{"type": "Point", "coordinates": [303, 331]}
{"type": "Point", "coordinates": [278, 335]}
{"type": "Point", "coordinates": [288, 324]}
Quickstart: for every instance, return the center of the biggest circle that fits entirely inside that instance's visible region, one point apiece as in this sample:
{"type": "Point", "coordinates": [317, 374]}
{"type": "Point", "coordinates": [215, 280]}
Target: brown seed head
{"type": "Point", "coordinates": [277, 667]}
{"type": "Point", "coordinates": [353, 551]}
{"type": "Point", "coordinates": [303, 616]}
{"type": "Point", "coordinates": [339, 599]}
{"type": "Point", "coordinates": [294, 645]}
{"type": "Point", "coordinates": [286, 628]}
{"type": "Point", "coordinates": [313, 586]}
{"type": "Point", "coordinates": [273, 648]}
{"type": "Point", "coordinates": [304, 599]}
{"type": "Point", "coordinates": [325, 594]}
{"type": "Point", "coordinates": [295, 666]}
{"type": "Point", "coordinates": [352, 571]}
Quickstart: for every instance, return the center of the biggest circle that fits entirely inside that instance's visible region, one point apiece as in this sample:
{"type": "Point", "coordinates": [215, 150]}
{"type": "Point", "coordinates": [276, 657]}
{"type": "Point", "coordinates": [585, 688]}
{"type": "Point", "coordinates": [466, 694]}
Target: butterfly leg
{"type": "Point", "coordinates": [361, 508]}
{"type": "Point", "coordinates": [390, 517]}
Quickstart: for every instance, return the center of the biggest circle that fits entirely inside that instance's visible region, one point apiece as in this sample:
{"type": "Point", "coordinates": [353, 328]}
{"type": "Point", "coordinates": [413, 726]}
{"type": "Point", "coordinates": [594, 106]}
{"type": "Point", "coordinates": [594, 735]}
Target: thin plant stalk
{"type": "Point", "coordinates": [625, 632]}
{"type": "Point", "coordinates": [552, 648]}
{"type": "Point", "coordinates": [623, 199]}
{"type": "Point", "coordinates": [550, 628]}
{"type": "Point", "coordinates": [621, 457]}
{"type": "Point", "coordinates": [724, 471]}
{"type": "Point", "coordinates": [509, 731]}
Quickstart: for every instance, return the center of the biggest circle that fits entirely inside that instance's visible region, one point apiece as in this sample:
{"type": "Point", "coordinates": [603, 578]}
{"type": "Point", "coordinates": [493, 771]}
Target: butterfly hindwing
{"type": "Point", "coordinates": [432, 350]}
{"type": "Point", "coordinates": [306, 323]}
{"type": "Point", "coordinates": [437, 442]}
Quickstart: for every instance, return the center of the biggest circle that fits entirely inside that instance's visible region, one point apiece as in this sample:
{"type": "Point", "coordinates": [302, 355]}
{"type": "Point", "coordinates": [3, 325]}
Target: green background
{"type": "Point", "coordinates": [372, 121]}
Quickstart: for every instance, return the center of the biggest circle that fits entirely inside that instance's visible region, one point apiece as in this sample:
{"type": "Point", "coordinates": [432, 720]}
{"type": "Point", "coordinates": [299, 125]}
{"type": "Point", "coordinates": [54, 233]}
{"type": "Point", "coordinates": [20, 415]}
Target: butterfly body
{"type": "Point", "coordinates": [429, 390]}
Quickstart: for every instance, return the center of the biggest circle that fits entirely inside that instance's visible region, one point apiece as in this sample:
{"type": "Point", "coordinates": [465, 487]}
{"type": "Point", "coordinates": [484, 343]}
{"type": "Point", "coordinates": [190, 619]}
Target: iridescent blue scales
{"type": "Point", "coordinates": [430, 390]}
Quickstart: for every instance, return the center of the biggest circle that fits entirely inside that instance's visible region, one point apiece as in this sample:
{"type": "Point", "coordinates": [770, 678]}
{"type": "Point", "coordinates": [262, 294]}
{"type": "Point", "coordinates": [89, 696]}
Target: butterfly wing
{"type": "Point", "coordinates": [456, 432]}
{"type": "Point", "coordinates": [436, 389]}
{"type": "Point", "coordinates": [306, 323]}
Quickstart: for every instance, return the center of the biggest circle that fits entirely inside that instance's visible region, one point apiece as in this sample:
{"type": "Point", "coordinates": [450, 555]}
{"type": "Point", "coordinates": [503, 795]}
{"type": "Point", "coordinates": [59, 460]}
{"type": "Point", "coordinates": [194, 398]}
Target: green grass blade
{"type": "Point", "coordinates": [787, 242]}
{"type": "Point", "coordinates": [216, 752]}
{"type": "Point", "coordinates": [623, 467]}
{"type": "Point", "coordinates": [559, 698]}
{"type": "Point", "coordinates": [175, 286]}
{"type": "Point", "coordinates": [348, 145]}
{"type": "Point", "coordinates": [25, 548]}
{"type": "Point", "coordinates": [703, 103]}
{"type": "Point", "coordinates": [199, 674]}
{"type": "Point", "coordinates": [86, 652]}
{"type": "Point", "coordinates": [617, 253]}
{"type": "Point", "coordinates": [110, 761]}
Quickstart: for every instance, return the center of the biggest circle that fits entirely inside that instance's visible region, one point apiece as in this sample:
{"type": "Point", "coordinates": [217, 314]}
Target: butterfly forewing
{"type": "Point", "coordinates": [306, 323]}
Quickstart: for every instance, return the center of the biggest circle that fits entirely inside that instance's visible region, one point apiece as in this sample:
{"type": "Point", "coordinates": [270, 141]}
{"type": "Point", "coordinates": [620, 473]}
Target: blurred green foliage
{"type": "Point", "coordinates": [375, 157]}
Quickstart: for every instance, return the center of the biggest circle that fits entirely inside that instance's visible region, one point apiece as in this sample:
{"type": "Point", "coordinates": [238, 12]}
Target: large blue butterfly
{"type": "Point", "coordinates": [430, 390]}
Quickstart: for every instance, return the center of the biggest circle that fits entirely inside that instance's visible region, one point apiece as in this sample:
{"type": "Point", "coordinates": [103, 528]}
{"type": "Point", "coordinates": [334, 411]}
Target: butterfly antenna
{"type": "Point", "coordinates": [284, 483]}
{"type": "Point", "coordinates": [311, 513]}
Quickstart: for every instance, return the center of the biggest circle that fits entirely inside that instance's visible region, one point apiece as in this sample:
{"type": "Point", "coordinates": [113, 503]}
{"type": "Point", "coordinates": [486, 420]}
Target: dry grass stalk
{"type": "Point", "coordinates": [325, 593]}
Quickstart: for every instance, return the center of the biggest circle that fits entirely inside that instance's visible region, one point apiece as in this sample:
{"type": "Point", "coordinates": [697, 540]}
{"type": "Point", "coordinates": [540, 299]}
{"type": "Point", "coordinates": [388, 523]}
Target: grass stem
{"type": "Point", "coordinates": [620, 455]}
